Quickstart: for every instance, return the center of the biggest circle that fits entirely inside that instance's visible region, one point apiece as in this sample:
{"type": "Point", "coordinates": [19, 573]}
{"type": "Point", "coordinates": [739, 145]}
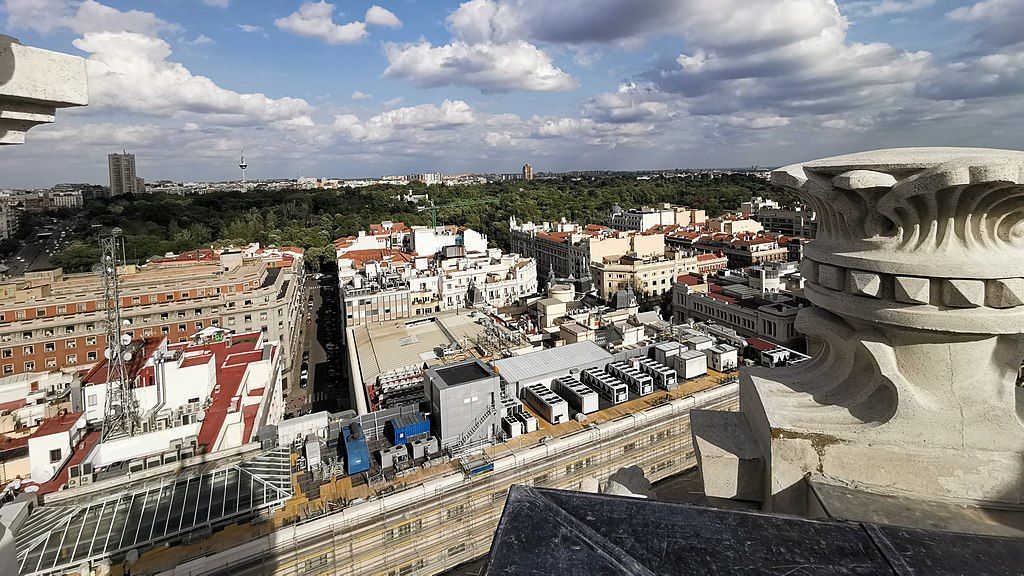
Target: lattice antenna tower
{"type": "Point", "coordinates": [121, 413]}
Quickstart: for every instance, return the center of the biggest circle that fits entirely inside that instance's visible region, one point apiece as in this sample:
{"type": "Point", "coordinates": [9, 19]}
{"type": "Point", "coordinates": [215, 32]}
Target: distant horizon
{"type": "Point", "coordinates": [538, 174]}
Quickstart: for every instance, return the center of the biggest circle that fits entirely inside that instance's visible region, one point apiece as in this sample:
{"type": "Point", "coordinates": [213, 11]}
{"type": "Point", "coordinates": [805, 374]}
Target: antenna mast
{"type": "Point", "coordinates": [243, 166]}
{"type": "Point", "coordinates": [121, 412]}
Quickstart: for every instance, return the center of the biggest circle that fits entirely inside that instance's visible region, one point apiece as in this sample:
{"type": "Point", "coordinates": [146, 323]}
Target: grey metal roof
{"type": "Point", "coordinates": [561, 359]}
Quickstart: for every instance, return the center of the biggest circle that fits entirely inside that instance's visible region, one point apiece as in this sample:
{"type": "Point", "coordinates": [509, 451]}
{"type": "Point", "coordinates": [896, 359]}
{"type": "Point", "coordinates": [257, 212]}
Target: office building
{"type": "Point", "coordinates": [527, 172]}
{"type": "Point", "coordinates": [123, 179]}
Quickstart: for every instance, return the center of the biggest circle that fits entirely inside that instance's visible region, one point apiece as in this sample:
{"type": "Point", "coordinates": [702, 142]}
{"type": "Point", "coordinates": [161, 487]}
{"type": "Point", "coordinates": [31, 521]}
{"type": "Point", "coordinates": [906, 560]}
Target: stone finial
{"type": "Point", "coordinates": [33, 84]}
{"type": "Point", "coordinates": [917, 274]}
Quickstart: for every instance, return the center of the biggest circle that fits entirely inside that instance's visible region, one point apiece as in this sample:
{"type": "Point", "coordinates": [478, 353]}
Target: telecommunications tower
{"type": "Point", "coordinates": [243, 166]}
{"type": "Point", "coordinates": [121, 412]}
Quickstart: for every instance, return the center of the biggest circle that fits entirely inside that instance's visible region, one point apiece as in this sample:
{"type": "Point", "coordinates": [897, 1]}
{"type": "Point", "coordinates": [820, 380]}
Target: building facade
{"type": "Point", "coordinates": [650, 276]}
{"type": "Point", "coordinates": [51, 320]}
{"type": "Point", "coordinates": [773, 320]}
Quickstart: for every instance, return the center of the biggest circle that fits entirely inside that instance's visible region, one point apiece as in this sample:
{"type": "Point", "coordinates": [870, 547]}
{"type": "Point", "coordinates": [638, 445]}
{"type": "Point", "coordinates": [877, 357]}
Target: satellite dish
{"type": "Point", "coordinates": [126, 322]}
{"type": "Point", "coordinates": [201, 415]}
{"type": "Point", "coordinates": [125, 339]}
{"type": "Point", "coordinates": [116, 231]}
{"type": "Point", "coordinates": [97, 268]}
{"type": "Point", "coordinates": [132, 556]}
{"type": "Point", "coordinates": [80, 424]}
{"type": "Point", "coordinates": [106, 353]}
{"type": "Point", "coordinates": [127, 356]}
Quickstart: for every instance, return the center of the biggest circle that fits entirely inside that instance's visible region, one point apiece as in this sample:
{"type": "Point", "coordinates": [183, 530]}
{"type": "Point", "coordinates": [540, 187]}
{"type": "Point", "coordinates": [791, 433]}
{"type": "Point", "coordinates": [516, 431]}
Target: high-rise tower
{"type": "Point", "coordinates": [122, 174]}
{"type": "Point", "coordinates": [527, 172]}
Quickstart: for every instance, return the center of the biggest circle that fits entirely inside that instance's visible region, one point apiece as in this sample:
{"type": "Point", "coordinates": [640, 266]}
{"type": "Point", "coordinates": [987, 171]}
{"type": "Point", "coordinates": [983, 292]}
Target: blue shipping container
{"type": "Point", "coordinates": [357, 454]}
{"type": "Point", "coordinates": [399, 430]}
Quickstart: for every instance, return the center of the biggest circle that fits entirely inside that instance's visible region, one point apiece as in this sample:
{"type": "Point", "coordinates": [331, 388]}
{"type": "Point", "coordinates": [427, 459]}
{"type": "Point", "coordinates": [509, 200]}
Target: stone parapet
{"type": "Point", "coordinates": [33, 84]}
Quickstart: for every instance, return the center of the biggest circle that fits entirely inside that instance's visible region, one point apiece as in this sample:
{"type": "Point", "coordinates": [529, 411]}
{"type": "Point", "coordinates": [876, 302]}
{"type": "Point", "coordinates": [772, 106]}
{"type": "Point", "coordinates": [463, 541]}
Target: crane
{"type": "Point", "coordinates": [433, 208]}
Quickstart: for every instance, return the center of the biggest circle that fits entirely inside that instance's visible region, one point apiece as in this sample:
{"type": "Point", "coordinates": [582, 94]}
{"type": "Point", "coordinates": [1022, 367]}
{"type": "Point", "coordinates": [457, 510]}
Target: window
{"type": "Point", "coordinates": [7, 353]}
{"type": "Point", "coordinates": [90, 341]}
{"type": "Point", "coordinates": [40, 312]}
{"type": "Point", "coordinates": [55, 455]}
{"type": "Point", "coordinates": [165, 329]}
{"type": "Point", "coordinates": [26, 335]}
{"type": "Point", "coordinates": [69, 329]}
{"type": "Point", "coordinates": [51, 362]}
{"type": "Point", "coordinates": [30, 366]}
{"type": "Point", "coordinates": [8, 368]}
{"type": "Point", "coordinates": [72, 358]}
{"type": "Point", "coordinates": [49, 347]}
{"type": "Point", "coordinates": [199, 325]}
{"type": "Point", "coordinates": [69, 344]}
{"type": "Point", "coordinates": [136, 301]}
{"type": "Point", "coordinates": [169, 296]}
{"type": "Point", "coordinates": [247, 318]}
{"type": "Point", "coordinates": [182, 327]}
{"type": "Point", "coordinates": [91, 356]}
{"type": "Point", "coordinates": [92, 400]}
{"type": "Point", "coordinates": [27, 350]}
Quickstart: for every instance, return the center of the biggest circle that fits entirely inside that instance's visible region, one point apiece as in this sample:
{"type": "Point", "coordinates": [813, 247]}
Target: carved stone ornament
{"type": "Point", "coordinates": [917, 337]}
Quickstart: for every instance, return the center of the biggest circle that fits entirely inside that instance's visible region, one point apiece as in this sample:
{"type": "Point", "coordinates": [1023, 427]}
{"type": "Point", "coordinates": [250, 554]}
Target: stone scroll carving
{"type": "Point", "coordinates": [917, 275]}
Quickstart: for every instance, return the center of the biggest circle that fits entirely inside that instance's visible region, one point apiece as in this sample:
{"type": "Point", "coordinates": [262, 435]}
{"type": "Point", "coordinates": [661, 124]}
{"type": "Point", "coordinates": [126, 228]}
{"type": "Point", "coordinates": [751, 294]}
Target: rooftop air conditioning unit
{"type": "Point", "coordinates": [86, 479]}
{"type": "Point", "coordinates": [73, 483]}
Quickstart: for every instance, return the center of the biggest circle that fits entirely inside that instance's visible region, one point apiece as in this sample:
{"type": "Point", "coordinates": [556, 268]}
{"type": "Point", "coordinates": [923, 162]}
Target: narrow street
{"type": "Point", "coordinates": [320, 354]}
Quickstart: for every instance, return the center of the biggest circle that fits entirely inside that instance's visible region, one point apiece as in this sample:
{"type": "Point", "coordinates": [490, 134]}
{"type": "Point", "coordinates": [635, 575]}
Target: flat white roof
{"type": "Point", "coordinates": [544, 362]}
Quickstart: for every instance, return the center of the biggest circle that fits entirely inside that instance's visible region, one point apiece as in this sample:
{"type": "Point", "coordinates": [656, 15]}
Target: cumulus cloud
{"type": "Point", "coordinates": [387, 125]}
{"type": "Point", "coordinates": [357, 95]}
{"type": "Point", "coordinates": [484, 53]}
{"type": "Point", "coordinates": [994, 22]}
{"type": "Point", "coordinates": [201, 40]}
{"type": "Point", "coordinates": [377, 16]}
{"type": "Point", "coordinates": [81, 17]}
{"type": "Point", "coordinates": [315, 20]}
{"type": "Point", "coordinates": [249, 28]}
{"type": "Point", "coordinates": [131, 71]}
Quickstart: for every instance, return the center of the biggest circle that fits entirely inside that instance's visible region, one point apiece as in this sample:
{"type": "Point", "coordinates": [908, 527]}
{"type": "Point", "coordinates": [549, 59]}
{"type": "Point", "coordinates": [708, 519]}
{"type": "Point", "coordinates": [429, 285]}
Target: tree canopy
{"type": "Point", "coordinates": [155, 224]}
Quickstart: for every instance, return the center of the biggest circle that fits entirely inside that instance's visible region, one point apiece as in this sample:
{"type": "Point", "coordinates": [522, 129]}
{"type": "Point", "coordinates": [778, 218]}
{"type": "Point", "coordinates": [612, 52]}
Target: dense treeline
{"type": "Point", "coordinates": [158, 223]}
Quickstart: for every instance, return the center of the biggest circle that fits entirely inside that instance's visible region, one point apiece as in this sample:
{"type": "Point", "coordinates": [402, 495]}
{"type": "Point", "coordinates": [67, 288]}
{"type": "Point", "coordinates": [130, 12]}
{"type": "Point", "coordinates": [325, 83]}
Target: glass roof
{"type": "Point", "coordinates": [56, 537]}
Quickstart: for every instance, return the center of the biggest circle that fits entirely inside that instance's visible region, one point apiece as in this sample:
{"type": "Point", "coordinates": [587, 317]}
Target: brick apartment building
{"type": "Point", "coordinates": [51, 320]}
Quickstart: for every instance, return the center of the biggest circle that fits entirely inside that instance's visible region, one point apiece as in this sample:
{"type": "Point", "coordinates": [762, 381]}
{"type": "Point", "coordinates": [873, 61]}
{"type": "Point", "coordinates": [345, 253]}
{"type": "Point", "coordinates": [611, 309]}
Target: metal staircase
{"type": "Point", "coordinates": [467, 435]}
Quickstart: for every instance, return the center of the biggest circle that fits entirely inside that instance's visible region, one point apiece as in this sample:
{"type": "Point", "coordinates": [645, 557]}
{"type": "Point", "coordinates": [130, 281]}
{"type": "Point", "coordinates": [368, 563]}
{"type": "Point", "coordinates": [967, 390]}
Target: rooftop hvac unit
{"type": "Point", "coordinates": [86, 479]}
{"type": "Point", "coordinates": [152, 462]}
{"type": "Point", "coordinates": [136, 465]}
{"type": "Point", "coordinates": [73, 483]}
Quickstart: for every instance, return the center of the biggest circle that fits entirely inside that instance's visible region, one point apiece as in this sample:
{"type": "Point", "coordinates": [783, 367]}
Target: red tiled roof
{"type": "Point", "coordinates": [57, 424]}
{"type": "Point", "coordinates": [249, 420]}
{"type": "Point", "coordinates": [12, 405]}
{"type": "Point", "coordinates": [760, 345]}
{"type": "Point", "coordinates": [201, 255]}
{"type": "Point", "coordinates": [361, 257]}
{"type": "Point", "coordinates": [557, 237]}
{"type": "Point", "coordinates": [198, 360]}
{"type": "Point", "coordinates": [81, 451]}
{"type": "Point", "coordinates": [690, 280]}
{"type": "Point", "coordinates": [8, 443]}
{"type": "Point", "coordinates": [704, 257]}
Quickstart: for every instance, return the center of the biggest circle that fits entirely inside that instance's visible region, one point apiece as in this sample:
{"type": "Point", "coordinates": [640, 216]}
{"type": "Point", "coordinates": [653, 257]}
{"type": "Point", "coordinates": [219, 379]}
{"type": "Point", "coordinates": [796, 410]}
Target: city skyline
{"type": "Point", "coordinates": [353, 89]}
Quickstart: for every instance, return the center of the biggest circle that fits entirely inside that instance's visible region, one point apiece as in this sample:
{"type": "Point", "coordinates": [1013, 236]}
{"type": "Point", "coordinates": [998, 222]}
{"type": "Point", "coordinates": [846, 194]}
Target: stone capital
{"type": "Point", "coordinates": [34, 83]}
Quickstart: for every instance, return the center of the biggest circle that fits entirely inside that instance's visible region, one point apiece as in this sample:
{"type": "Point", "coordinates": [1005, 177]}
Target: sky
{"type": "Point", "coordinates": [355, 89]}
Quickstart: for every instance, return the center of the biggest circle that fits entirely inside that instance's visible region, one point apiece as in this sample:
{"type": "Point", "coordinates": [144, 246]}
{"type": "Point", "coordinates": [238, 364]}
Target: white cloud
{"type": "Point", "coordinates": [100, 133]}
{"type": "Point", "coordinates": [131, 71]}
{"type": "Point", "coordinates": [387, 125]}
{"type": "Point", "coordinates": [994, 22]}
{"type": "Point", "coordinates": [516, 65]}
{"type": "Point", "coordinates": [201, 40]}
{"type": "Point", "coordinates": [314, 20]}
{"type": "Point", "coordinates": [249, 28]}
{"type": "Point", "coordinates": [485, 53]}
{"type": "Point", "coordinates": [357, 95]}
{"type": "Point", "coordinates": [377, 16]}
{"type": "Point", "coordinates": [81, 17]}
